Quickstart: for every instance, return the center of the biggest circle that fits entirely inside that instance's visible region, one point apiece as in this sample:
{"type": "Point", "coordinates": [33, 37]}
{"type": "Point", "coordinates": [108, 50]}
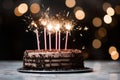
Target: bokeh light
{"type": "Point", "coordinates": [117, 9]}
{"type": "Point", "coordinates": [107, 19]}
{"type": "Point", "coordinates": [106, 5]}
{"type": "Point", "coordinates": [23, 8]}
{"type": "Point", "coordinates": [79, 14]}
{"type": "Point", "coordinates": [113, 52]}
{"type": "Point", "coordinates": [97, 22]}
{"type": "Point", "coordinates": [102, 32]}
{"type": "Point", "coordinates": [110, 11]}
{"type": "Point", "coordinates": [77, 8]}
{"type": "Point", "coordinates": [114, 55]}
{"type": "Point", "coordinates": [17, 13]}
{"type": "Point", "coordinates": [111, 49]}
{"type": "Point", "coordinates": [96, 43]}
{"type": "Point", "coordinates": [35, 8]}
{"type": "Point", "coordinates": [70, 3]}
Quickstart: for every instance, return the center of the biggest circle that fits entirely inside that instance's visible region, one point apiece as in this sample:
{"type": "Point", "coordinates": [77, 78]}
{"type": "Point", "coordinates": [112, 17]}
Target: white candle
{"type": "Point", "coordinates": [49, 27]}
{"type": "Point", "coordinates": [56, 41]}
{"type": "Point", "coordinates": [66, 41]}
{"type": "Point", "coordinates": [45, 41]}
{"type": "Point", "coordinates": [59, 40]}
{"type": "Point", "coordinates": [38, 41]}
{"type": "Point", "coordinates": [49, 41]}
{"type": "Point", "coordinates": [57, 28]}
{"type": "Point", "coordinates": [68, 27]}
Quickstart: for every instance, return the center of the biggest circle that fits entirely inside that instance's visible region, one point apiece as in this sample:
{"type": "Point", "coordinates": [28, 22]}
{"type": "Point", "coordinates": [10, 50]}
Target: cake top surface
{"type": "Point", "coordinates": [42, 51]}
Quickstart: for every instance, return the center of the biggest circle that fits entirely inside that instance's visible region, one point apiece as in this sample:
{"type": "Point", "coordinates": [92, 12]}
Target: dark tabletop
{"type": "Point", "coordinates": [103, 70]}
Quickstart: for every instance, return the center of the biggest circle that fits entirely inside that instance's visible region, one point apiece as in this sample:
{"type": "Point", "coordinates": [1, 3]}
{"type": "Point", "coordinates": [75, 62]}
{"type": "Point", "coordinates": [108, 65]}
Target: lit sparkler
{"type": "Point", "coordinates": [44, 23]}
{"type": "Point", "coordinates": [68, 27]}
{"type": "Point", "coordinates": [59, 40]}
{"type": "Point", "coordinates": [49, 28]}
{"type": "Point", "coordinates": [57, 29]}
{"type": "Point", "coordinates": [37, 35]}
{"type": "Point", "coordinates": [53, 25]}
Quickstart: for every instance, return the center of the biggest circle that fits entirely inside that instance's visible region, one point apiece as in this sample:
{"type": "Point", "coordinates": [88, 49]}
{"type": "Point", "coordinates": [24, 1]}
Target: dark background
{"type": "Point", "coordinates": [14, 39]}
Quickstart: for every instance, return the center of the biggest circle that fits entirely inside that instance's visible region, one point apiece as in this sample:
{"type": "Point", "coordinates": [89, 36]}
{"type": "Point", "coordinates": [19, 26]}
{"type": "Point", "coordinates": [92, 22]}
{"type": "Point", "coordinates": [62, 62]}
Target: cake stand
{"type": "Point", "coordinates": [82, 70]}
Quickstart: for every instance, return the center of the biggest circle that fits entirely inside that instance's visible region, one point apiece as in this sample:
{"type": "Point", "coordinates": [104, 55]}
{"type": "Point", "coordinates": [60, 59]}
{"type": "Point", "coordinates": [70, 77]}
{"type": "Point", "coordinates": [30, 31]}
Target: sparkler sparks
{"type": "Point", "coordinates": [34, 24]}
{"type": "Point", "coordinates": [55, 25]}
{"type": "Point", "coordinates": [58, 24]}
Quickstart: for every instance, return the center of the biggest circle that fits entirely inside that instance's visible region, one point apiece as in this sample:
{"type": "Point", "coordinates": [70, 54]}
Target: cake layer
{"type": "Point", "coordinates": [49, 60]}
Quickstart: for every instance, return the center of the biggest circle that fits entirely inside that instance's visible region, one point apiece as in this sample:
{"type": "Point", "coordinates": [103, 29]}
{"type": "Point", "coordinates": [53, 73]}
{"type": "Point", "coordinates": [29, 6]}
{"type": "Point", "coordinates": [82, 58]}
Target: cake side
{"type": "Point", "coordinates": [53, 60]}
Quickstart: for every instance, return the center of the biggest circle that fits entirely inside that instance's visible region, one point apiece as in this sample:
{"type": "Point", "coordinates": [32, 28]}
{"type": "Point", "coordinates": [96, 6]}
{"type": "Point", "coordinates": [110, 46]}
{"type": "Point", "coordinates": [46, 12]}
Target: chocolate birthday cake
{"type": "Point", "coordinates": [53, 60]}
